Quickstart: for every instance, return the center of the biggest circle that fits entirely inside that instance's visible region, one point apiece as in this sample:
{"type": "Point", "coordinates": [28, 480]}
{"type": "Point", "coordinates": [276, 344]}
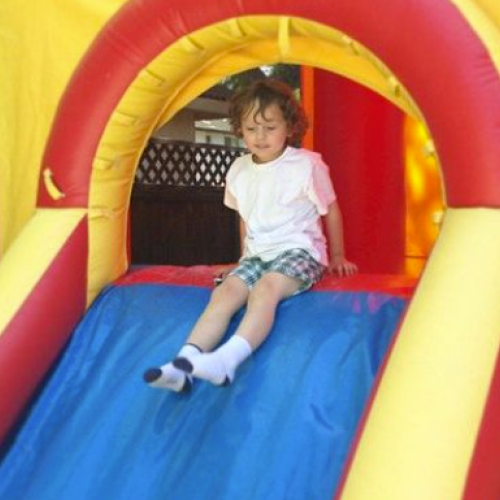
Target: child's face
{"type": "Point", "coordinates": [265, 134]}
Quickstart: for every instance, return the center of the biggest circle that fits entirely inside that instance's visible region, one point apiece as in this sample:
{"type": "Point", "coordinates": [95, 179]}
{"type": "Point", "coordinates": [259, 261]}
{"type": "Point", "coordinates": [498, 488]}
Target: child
{"type": "Point", "coordinates": [280, 193]}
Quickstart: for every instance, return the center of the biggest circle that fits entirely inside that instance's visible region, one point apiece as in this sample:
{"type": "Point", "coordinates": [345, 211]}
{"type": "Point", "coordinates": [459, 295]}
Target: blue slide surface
{"type": "Point", "coordinates": [281, 431]}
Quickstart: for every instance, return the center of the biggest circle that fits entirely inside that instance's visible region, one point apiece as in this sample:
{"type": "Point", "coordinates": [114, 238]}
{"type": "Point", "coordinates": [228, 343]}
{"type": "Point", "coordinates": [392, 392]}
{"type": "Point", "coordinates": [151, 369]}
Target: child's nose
{"type": "Point", "coordinates": [261, 132]}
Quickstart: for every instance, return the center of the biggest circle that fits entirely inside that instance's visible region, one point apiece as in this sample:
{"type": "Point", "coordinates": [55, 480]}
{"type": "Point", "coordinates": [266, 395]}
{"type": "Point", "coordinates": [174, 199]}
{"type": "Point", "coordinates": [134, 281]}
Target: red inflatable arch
{"type": "Point", "coordinates": [439, 58]}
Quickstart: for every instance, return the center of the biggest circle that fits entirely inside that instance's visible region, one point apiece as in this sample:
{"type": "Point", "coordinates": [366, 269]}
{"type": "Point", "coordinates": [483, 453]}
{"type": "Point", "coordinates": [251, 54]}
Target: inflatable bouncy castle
{"type": "Point", "coordinates": [79, 104]}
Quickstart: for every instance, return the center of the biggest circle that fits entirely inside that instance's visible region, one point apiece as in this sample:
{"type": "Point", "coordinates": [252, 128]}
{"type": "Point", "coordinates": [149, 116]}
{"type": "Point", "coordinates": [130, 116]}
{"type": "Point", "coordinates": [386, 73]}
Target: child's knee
{"type": "Point", "coordinates": [232, 290]}
{"type": "Point", "coordinates": [276, 286]}
{"type": "Point", "coordinates": [265, 291]}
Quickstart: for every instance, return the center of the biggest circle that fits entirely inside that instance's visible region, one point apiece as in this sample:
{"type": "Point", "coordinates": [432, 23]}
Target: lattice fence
{"type": "Point", "coordinates": [178, 163]}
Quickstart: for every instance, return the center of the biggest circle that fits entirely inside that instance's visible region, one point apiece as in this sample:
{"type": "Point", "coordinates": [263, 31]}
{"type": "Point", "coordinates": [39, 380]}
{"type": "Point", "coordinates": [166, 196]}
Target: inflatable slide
{"type": "Point", "coordinates": [282, 430]}
{"type": "Point", "coordinates": [429, 431]}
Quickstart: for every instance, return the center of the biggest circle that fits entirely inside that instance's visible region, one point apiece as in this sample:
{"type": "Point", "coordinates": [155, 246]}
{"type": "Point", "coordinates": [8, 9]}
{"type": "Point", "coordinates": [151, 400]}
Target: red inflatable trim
{"type": "Point", "coordinates": [458, 91]}
{"type": "Point", "coordinates": [401, 286]}
{"type": "Point", "coordinates": [38, 332]}
{"type": "Point", "coordinates": [366, 413]}
{"type": "Point", "coordinates": [483, 481]}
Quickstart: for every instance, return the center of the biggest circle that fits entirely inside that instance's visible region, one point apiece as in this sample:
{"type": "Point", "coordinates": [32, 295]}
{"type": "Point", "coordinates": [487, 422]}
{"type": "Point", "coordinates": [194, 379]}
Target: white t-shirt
{"type": "Point", "coordinates": [281, 202]}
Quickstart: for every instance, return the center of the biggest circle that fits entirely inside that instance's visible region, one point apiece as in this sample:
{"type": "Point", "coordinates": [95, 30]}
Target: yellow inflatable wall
{"type": "Point", "coordinates": [41, 43]}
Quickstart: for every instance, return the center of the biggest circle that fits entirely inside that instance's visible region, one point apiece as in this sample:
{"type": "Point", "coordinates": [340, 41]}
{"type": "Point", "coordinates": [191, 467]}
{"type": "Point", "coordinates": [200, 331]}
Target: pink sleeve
{"type": "Point", "coordinates": [321, 191]}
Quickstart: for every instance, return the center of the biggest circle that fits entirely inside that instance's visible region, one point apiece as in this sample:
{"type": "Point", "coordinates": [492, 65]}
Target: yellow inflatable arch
{"type": "Point", "coordinates": [429, 433]}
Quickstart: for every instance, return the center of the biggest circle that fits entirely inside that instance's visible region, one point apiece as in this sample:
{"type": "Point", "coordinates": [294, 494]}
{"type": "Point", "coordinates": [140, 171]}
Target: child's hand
{"type": "Point", "coordinates": [220, 272]}
{"type": "Point", "coordinates": [341, 266]}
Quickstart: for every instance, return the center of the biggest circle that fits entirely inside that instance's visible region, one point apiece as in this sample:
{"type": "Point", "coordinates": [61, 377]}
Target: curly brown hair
{"type": "Point", "coordinates": [264, 93]}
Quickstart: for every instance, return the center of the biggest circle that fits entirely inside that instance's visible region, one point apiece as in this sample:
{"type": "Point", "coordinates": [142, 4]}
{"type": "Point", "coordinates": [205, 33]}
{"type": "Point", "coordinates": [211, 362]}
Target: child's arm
{"type": "Point", "coordinates": [223, 270]}
{"type": "Point", "coordinates": [243, 235]}
{"type": "Point", "coordinates": [335, 233]}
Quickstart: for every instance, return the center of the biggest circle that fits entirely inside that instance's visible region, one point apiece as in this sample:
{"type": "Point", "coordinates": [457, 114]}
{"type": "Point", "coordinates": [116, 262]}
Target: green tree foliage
{"type": "Point", "coordinates": [287, 73]}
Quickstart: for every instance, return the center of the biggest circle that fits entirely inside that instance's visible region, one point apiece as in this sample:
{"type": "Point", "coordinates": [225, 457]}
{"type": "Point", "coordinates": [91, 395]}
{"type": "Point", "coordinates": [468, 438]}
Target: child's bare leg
{"type": "Point", "coordinates": [268, 292]}
{"type": "Point", "coordinates": [219, 367]}
{"type": "Point", "coordinates": [225, 300]}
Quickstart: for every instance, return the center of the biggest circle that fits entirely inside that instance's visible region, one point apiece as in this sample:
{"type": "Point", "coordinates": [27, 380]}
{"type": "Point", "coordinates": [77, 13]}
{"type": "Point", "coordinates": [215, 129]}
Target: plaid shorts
{"type": "Point", "coordinates": [295, 263]}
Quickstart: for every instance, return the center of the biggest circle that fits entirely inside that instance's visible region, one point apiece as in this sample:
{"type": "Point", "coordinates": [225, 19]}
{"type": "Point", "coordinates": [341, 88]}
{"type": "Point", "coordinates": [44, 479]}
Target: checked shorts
{"type": "Point", "coordinates": [296, 263]}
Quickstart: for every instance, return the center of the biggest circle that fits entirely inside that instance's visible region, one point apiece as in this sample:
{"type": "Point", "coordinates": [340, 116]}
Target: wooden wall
{"type": "Point", "coordinates": [177, 213]}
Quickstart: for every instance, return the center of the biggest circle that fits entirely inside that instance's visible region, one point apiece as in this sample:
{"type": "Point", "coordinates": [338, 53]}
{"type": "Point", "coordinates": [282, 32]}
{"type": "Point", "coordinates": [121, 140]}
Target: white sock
{"type": "Point", "coordinates": [170, 377]}
{"type": "Point", "coordinates": [217, 367]}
